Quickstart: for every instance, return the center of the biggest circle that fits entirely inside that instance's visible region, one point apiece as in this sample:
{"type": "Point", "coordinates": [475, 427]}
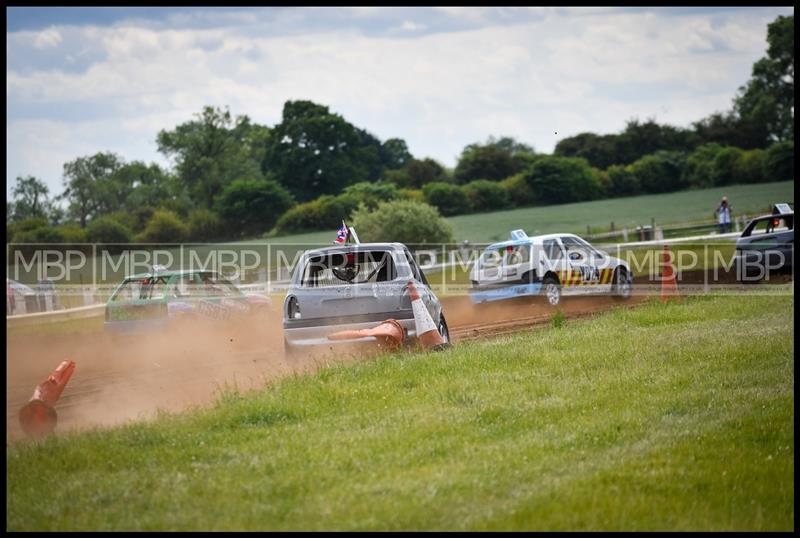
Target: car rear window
{"type": "Point", "coordinates": [769, 225]}
{"type": "Point", "coordinates": [141, 288]}
{"type": "Point", "coordinates": [205, 285]}
{"type": "Point", "coordinates": [348, 268]}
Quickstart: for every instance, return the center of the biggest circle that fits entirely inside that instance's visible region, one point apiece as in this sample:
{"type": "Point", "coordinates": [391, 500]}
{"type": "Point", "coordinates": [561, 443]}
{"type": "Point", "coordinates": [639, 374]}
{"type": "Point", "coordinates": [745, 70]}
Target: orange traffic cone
{"type": "Point", "coordinates": [669, 286]}
{"type": "Point", "coordinates": [38, 418]}
{"type": "Point", "coordinates": [427, 332]}
{"type": "Point", "coordinates": [390, 333]}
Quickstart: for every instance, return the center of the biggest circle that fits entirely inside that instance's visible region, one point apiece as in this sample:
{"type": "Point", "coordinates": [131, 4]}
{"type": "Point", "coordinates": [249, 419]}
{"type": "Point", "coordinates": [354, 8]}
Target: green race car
{"type": "Point", "coordinates": [159, 299]}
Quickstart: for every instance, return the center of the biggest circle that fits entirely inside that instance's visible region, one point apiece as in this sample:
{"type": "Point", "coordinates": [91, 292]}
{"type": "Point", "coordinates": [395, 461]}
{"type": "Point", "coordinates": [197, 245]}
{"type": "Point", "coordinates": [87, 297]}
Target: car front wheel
{"type": "Point", "coordinates": [552, 290]}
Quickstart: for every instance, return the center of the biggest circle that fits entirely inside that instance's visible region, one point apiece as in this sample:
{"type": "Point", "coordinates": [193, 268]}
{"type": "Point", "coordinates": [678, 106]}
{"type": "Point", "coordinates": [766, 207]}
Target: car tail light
{"type": "Point", "coordinates": [293, 308]}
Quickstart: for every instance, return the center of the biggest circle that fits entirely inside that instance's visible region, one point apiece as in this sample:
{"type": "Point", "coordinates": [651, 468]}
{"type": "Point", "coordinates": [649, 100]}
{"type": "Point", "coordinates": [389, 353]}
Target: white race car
{"type": "Point", "coordinates": [549, 265]}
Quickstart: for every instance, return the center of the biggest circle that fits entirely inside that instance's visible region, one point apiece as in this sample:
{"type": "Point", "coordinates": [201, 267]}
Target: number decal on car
{"type": "Point", "coordinates": [589, 274]}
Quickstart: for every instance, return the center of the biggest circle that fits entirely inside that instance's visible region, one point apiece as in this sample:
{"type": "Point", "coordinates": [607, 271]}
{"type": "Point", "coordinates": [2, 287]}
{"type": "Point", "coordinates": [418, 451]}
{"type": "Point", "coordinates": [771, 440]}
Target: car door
{"type": "Point", "coordinates": [552, 258]}
{"type": "Point", "coordinates": [584, 272]}
{"type": "Point", "coordinates": [516, 263]}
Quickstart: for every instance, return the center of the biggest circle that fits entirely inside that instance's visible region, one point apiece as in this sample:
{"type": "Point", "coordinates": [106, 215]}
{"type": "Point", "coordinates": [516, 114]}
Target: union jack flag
{"type": "Point", "coordinates": [341, 235]}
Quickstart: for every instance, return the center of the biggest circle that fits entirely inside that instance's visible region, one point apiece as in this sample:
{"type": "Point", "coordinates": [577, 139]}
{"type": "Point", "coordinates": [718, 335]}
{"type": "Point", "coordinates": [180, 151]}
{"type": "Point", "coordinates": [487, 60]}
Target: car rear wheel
{"type": "Point", "coordinates": [444, 332]}
{"type": "Point", "coordinates": [552, 290]}
{"type": "Point", "coordinates": [622, 285]}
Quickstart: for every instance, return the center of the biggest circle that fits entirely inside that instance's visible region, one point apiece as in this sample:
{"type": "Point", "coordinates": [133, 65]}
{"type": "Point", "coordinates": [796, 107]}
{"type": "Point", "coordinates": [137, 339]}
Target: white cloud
{"type": "Point", "coordinates": [47, 38]}
{"type": "Point", "coordinates": [438, 91]}
{"type": "Point", "coordinates": [411, 26]}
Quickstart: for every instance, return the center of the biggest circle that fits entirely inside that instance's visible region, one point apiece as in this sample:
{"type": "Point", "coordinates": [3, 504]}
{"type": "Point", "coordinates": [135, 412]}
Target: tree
{"type": "Point", "coordinates": [779, 162]}
{"type": "Point", "coordinates": [417, 173]}
{"type": "Point", "coordinates": [449, 199]}
{"type": "Point", "coordinates": [213, 150]}
{"type": "Point", "coordinates": [394, 154]}
{"type": "Point", "coordinates": [663, 171]}
{"type": "Point", "coordinates": [325, 212]}
{"type": "Point", "coordinates": [622, 181]}
{"type": "Point", "coordinates": [148, 185]}
{"type": "Point", "coordinates": [403, 221]}
{"type": "Point", "coordinates": [750, 167]}
{"type": "Point", "coordinates": [164, 227]}
{"type": "Point", "coordinates": [729, 129]}
{"type": "Point", "coordinates": [486, 195]}
{"type": "Point", "coordinates": [640, 139]}
{"type": "Point", "coordinates": [106, 229]}
{"type": "Point", "coordinates": [371, 194]}
{"type": "Point", "coordinates": [253, 206]}
{"type": "Point", "coordinates": [205, 225]}
{"type": "Point", "coordinates": [495, 160]}
{"type": "Point", "coordinates": [559, 180]}
{"type": "Point", "coordinates": [767, 99]}
{"type": "Point", "coordinates": [726, 163]}
{"type": "Point", "coordinates": [30, 199]}
{"type": "Point", "coordinates": [599, 150]}
{"type": "Point", "coordinates": [700, 165]}
{"type": "Point", "coordinates": [313, 151]}
{"type": "Point", "coordinates": [90, 187]}
{"type": "Point", "coordinates": [519, 192]}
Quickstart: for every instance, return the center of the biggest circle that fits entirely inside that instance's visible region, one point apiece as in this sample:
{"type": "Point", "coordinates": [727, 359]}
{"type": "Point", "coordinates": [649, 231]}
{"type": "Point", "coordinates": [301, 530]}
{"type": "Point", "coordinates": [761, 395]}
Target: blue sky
{"type": "Point", "coordinates": [83, 80]}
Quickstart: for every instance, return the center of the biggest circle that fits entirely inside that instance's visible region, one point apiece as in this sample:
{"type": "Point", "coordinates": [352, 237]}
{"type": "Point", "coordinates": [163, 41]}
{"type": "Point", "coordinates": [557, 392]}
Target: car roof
{"type": "Point", "coordinates": [775, 215]}
{"type": "Point", "coordinates": [355, 248]}
{"type": "Point", "coordinates": [528, 240]}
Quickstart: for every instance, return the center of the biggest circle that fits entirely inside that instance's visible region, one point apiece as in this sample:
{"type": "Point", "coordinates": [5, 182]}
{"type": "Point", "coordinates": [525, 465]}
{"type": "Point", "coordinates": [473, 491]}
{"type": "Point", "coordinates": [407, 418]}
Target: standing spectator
{"type": "Point", "coordinates": [723, 214]}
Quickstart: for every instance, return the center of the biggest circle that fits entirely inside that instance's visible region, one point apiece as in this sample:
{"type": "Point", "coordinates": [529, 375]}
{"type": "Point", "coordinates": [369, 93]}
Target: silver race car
{"type": "Point", "coordinates": [351, 287]}
{"type": "Point", "coordinates": [548, 265]}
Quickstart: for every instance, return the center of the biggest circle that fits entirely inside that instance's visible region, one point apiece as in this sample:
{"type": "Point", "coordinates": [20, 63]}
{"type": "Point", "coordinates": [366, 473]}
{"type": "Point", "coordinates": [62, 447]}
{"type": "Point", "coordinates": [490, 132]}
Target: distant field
{"type": "Point", "coordinates": [670, 208]}
{"type": "Point", "coordinates": [665, 417]}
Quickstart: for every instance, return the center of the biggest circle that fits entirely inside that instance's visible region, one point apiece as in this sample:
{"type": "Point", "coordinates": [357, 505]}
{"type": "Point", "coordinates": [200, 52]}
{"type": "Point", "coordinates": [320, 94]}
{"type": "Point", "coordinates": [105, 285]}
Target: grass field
{"type": "Point", "coordinates": [670, 208]}
{"type": "Point", "coordinates": [664, 417]}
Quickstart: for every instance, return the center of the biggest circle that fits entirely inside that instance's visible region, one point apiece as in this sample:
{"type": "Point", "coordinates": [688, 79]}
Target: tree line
{"type": "Point", "coordinates": [233, 178]}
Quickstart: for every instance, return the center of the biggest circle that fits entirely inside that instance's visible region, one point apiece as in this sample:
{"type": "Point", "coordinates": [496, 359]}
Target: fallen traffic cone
{"type": "Point", "coordinates": [390, 333]}
{"type": "Point", "coordinates": [427, 332]}
{"type": "Point", "coordinates": [38, 418]}
{"type": "Point", "coordinates": [669, 286]}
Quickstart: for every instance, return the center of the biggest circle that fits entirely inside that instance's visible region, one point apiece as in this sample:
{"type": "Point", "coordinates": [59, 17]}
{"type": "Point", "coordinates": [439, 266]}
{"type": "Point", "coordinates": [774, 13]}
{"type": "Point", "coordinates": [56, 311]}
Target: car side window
{"type": "Point", "coordinates": [157, 289]}
{"type": "Point", "coordinates": [128, 291]}
{"type": "Point", "coordinates": [186, 286]}
{"type": "Point", "coordinates": [415, 269]}
{"type": "Point", "coordinates": [517, 255]}
{"type": "Point", "coordinates": [412, 265]}
{"type": "Point", "coordinates": [553, 250]}
{"type": "Point", "coordinates": [575, 250]}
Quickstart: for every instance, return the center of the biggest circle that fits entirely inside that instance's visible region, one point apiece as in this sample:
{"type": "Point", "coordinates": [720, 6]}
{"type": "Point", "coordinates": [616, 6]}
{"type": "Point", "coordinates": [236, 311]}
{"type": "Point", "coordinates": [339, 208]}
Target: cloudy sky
{"type": "Point", "coordinates": [83, 80]}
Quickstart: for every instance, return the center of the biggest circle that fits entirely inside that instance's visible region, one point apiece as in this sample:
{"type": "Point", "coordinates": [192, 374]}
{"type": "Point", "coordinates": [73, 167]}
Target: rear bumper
{"type": "Point", "coordinates": [317, 336]}
{"type": "Point", "coordinates": [758, 264]}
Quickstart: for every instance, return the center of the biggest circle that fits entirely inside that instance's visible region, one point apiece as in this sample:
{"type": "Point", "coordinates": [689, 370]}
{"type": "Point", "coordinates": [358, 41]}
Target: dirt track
{"type": "Point", "coordinates": [114, 383]}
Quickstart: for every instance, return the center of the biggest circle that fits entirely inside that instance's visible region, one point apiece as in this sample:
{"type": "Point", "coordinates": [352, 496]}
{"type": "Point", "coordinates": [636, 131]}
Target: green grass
{"type": "Point", "coordinates": [664, 417]}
